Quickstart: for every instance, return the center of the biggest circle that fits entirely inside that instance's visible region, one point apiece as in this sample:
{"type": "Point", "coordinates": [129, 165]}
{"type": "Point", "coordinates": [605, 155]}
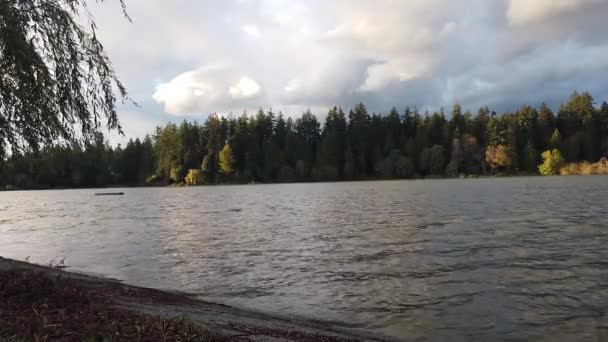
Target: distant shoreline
{"type": "Point", "coordinates": [24, 285]}
{"type": "Point", "coordinates": [268, 183]}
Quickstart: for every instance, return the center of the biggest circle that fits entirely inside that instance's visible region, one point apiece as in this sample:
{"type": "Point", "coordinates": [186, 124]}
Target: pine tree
{"type": "Point", "coordinates": [556, 139]}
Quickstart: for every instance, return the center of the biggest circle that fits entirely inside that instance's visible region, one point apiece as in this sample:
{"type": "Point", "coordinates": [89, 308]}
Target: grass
{"type": "Point", "coordinates": [37, 307]}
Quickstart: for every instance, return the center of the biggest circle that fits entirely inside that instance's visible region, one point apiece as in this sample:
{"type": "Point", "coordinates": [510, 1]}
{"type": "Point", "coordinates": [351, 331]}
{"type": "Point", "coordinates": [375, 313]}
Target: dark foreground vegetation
{"type": "Point", "coordinates": [45, 304]}
{"type": "Point", "coordinates": [36, 307]}
{"type": "Point", "coordinates": [267, 147]}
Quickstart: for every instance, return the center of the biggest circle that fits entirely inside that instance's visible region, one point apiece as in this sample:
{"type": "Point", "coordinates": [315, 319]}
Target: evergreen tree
{"type": "Point", "coordinates": [546, 125]}
{"type": "Point", "coordinates": [432, 160]}
{"type": "Point", "coordinates": [333, 140]}
{"type": "Point", "coordinates": [271, 148]}
{"type": "Point", "coordinates": [556, 139]}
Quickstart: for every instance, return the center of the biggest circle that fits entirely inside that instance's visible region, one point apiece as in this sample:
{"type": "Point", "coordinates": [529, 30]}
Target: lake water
{"type": "Point", "coordinates": [506, 258]}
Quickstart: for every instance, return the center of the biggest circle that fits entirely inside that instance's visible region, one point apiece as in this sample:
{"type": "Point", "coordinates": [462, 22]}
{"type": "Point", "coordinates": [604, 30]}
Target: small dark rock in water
{"type": "Point", "coordinates": [109, 194]}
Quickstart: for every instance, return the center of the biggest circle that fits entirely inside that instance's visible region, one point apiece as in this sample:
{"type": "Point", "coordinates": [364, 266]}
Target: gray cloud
{"type": "Point", "coordinates": [320, 53]}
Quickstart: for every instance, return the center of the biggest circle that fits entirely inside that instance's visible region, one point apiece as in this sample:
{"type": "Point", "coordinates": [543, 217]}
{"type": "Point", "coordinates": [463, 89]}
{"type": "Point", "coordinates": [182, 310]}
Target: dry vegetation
{"type": "Point", "coordinates": [586, 168]}
{"type": "Point", "coordinates": [48, 305]}
{"type": "Point", "coordinates": [36, 307]}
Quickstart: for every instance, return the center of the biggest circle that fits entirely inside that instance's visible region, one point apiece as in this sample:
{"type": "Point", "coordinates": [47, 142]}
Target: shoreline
{"type": "Point", "coordinates": [120, 302]}
{"type": "Point", "coordinates": [465, 177]}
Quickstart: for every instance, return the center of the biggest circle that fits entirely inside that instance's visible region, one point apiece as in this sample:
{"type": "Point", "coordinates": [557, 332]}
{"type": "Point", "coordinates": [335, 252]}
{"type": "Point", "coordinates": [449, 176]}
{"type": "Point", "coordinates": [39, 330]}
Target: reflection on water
{"type": "Point", "coordinates": [490, 258]}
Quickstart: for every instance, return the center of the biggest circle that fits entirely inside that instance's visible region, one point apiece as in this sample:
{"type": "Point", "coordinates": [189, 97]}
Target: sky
{"type": "Point", "coordinates": [186, 59]}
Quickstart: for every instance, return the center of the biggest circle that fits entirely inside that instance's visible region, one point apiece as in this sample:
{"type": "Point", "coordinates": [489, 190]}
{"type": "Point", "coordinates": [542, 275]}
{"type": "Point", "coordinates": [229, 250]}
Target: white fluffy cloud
{"type": "Point", "coordinates": [215, 86]}
{"type": "Point", "coordinates": [251, 30]}
{"type": "Point", "coordinates": [244, 89]}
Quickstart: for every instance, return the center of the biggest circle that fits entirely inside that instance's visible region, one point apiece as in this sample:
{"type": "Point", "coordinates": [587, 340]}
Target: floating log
{"type": "Point", "coordinates": [109, 194]}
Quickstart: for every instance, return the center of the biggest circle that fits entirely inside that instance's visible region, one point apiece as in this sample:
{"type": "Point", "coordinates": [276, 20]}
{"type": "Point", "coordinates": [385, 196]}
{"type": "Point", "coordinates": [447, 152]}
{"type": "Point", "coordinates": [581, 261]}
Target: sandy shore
{"type": "Point", "coordinates": [124, 305]}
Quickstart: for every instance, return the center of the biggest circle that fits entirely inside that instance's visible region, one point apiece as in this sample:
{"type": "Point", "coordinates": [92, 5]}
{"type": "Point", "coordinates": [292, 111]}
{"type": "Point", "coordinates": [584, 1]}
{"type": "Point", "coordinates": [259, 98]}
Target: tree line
{"type": "Point", "coordinates": [353, 145]}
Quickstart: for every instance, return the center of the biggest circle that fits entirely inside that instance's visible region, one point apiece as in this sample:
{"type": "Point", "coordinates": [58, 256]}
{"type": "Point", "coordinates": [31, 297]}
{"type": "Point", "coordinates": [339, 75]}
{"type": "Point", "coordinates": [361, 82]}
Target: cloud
{"type": "Point", "coordinates": [522, 12]}
{"type": "Point", "coordinates": [283, 18]}
{"type": "Point", "coordinates": [206, 89]}
{"type": "Point", "coordinates": [533, 23]}
{"type": "Point", "coordinates": [245, 88]}
{"type": "Point", "coordinates": [401, 36]}
{"type": "Point", "coordinates": [397, 70]}
{"type": "Point", "coordinates": [320, 84]}
{"type": "Point", "coordinates": [293, 55]}
{"type": "Point", "coordinates": [251, 30]}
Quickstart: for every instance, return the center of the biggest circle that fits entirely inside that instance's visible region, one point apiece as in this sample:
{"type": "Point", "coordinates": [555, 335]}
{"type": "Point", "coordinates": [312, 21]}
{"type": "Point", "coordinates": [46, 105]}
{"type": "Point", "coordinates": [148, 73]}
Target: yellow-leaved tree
{"type": "Point", "coordinates": [194, 177]}
{"type": "Point", "coordinates": [552, 162]}
{"type": "Point", "coordinates": [498, 157]}
{"type": "Point", "coordinates": [226, 160]}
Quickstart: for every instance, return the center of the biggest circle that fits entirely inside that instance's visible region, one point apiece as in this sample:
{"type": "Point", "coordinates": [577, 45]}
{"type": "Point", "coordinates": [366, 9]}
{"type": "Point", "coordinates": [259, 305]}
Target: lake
{"type": "Point", "coordinates": [504, 258]}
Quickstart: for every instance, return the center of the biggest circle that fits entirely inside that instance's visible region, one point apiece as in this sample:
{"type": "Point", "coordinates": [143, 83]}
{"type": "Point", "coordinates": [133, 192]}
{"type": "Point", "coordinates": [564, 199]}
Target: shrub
{"type": "Point", "coordinates": [568, 170]}
{"type": "Point", "coordinates": [602, 166]}
{"type": "Point", "coordinates": [194, 177]}
{"type": "Point", "coordinates": [152, 179]}
{"type": "Point", "coordinates": [585, 168]}
{"type": "Point", "coordinates": [552, 162]}
{"type": "Point", "coordinates": [176, 174]}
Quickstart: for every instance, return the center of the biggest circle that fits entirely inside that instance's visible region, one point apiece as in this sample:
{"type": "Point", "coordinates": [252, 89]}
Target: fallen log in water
{"type": "Point", "coordinates": [109, 194]}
